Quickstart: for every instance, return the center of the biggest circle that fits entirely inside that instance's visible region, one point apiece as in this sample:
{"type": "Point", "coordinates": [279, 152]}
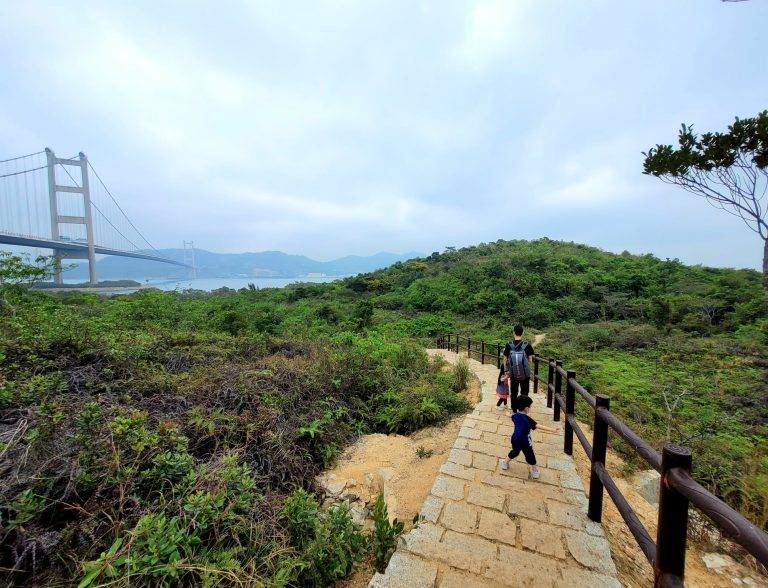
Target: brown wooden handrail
{"type": "Point", "coordinates": [677, 489]}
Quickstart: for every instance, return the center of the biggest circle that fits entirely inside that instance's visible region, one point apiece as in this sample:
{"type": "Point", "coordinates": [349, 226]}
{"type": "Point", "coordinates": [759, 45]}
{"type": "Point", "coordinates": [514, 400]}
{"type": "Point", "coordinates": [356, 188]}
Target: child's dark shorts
{"type": "Point", "coordinates": [527, 450]}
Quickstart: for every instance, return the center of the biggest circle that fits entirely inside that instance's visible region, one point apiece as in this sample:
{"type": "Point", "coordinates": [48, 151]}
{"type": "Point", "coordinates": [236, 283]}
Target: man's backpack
{"type": "Point", "coordinates": [518, 361]}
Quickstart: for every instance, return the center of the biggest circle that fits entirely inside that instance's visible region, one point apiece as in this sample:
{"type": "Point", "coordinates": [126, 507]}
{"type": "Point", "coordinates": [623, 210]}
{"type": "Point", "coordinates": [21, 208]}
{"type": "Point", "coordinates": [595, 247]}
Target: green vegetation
{"type": "Point", "coordinates": [650, 333]}
{"type": "Point", "coordinates": [728, 169]}
{"type": "Point", "coordinates": [158, 439]}
{"type": "Point", "coordinates": [161, 438]}
{"type": "Point", "coordinates": [385, 533]}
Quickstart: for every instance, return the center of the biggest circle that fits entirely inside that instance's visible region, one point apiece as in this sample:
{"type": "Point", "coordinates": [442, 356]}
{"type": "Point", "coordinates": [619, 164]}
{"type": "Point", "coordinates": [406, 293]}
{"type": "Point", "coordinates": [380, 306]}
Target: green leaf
{"type": "Point", "coordinates": [89, 577]}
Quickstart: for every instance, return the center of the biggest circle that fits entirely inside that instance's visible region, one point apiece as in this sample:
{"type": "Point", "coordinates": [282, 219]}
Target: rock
{"type": "Point", "coordinates": [717, 561]}
{"type": "Point", "coordinates": [374, 483]}
{"type": "Point", "coordinates": [386, 474]}
{"type": "Point", "coordinates": [331, 484]}
{"type": "Point", "coordinates": [351, 490]}
{"type": "Point", "coordinates": [405, 570]}
{"type": "Point", "coordinates": [359, 513]}
{"type": "Point", "coordinates": [391, 501]}
{"type": "Point", "coordinates": [647, 485]}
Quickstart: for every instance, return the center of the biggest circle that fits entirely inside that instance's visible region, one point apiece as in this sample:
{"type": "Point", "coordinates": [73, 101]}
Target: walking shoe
{"type": "Point", "coordinates": [504, 464]}
{"type": "Point", "coordinates": [535, 473]}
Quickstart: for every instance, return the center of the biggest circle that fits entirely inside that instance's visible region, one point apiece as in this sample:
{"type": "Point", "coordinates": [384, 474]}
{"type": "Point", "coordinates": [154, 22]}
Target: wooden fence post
{"type": "Point", "coordinates": [550, 380]}
{"type": "Point", "coordinates": [570, 407]}
{"type": "Point", "coordinates": [498, 355]}
{"type": "Point", "coordinates": [673, 519]}
{"type": "Point", "coordinates": [469, 345]}
{"type": "Point", "coordinates": [482, 352]}
{"type": "Point", "coordinates": [599, 447]}
{"type": "Point", "coordinates": [558, 390]}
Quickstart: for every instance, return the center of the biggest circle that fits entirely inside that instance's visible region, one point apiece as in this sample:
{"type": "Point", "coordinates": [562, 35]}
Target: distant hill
{"type": "Point", "coordinates": [545, 282]}
{"type": "Point", "coordinates": [228, 265]}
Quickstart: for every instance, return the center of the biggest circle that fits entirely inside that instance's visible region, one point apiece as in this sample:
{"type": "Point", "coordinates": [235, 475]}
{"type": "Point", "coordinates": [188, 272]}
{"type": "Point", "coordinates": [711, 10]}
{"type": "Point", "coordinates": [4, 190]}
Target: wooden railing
{"type": "Point", "coordinates": [677, 489]}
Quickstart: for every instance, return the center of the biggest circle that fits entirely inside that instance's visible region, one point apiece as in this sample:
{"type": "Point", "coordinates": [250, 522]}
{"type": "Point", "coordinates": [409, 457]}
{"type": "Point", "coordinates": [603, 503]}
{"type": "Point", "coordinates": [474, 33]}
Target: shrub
{"type": "Point", "coordinates": [25, 508]}
{"type": "Point", "coordinates": [461, 375]}
{"type": "Point", "coordinates": [385, 534]}
{"type": "Point", "coordinates": [154, 549]}
{"type": "Point", "coordinates": [362, 315]}
{"type": "Point", "coordinates": [595, 337]}
{"type": "Point", "coordinates": [329, 545]}
{"type": "Point", "coordinates": [300, 517]}
{"type": "Point", "coordinates": [636, 337]}
{"type": "Point", "coordinates": [423, 452]}
{"type": "Point", "coordinates": [337, 546]}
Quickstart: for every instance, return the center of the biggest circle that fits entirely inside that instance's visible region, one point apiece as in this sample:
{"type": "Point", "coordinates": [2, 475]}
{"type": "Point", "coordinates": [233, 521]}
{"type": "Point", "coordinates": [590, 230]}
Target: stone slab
{"type": "Point", "coordinates": [406, 571]}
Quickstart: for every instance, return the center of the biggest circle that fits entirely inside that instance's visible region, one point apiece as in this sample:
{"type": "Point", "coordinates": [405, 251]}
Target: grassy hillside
{"type": "Point", "coordinates": [647, 332]}
{"type": "Point", "coordinates": [162, 436]}
{"type": "Point", "coordinates": [151, 440]}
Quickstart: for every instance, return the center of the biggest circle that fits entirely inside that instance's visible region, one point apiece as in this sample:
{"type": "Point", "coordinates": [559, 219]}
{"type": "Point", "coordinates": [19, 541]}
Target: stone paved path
{"type": "Point", "coordinates": [487, 527]}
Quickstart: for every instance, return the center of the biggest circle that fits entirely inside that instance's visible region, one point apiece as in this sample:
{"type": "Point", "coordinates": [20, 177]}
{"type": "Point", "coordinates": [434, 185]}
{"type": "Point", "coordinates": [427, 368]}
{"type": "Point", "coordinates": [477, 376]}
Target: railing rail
{"type": "Point", "coordinates": [677, 489]}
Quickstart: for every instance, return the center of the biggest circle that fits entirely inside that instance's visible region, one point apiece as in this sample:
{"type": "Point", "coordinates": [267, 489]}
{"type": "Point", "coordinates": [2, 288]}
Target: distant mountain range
{"type": "Point", "coordinates": [264, 264]}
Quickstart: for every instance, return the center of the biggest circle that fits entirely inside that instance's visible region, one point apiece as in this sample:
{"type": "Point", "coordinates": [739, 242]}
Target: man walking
{"type": "Point", "coordinates": [518, 356]}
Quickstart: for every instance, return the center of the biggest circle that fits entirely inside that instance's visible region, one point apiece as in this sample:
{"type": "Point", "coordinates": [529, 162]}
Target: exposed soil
{"type": "Point", "coordinates": [407, 478]}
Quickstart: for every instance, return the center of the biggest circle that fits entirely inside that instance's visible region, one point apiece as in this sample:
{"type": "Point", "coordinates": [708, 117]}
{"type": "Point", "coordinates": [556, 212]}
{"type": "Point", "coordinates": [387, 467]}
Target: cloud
{"type": "Point", "coordinates": [342, 127]}
{"type": "Point", "coordinates": [597, 187]}
{"type": "Point", "coordinates": [491, 28]}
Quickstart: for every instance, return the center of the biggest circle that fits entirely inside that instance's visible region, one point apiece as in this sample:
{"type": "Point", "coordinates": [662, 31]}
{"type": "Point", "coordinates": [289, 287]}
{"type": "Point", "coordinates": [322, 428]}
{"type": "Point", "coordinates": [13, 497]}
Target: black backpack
{"type": "Point", "coordinates": [519, 369]}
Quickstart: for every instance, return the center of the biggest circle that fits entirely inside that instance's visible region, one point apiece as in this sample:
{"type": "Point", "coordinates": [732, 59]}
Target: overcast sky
{"type": "Point", "coordinates": [343, 126]}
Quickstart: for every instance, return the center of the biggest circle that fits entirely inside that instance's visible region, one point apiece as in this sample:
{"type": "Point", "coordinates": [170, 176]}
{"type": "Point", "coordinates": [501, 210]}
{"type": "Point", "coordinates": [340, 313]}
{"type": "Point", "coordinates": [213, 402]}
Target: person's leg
{"type": "Point", "coordinates": [530, 458]}
{"type": "Point", "coordinates": [502, 401]}
{"type": "Point", "coordinates": [519, 388]}
{"type": "Point", "coordinates": [504, 461]}
{"type": "Point", "coordinates": [513, 386]}
{"type": "Point", "coordinates": [525, 386]}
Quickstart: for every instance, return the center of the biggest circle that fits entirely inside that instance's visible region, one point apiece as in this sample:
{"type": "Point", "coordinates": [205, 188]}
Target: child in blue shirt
{"type": "Point", "coordinates": [521, 436]}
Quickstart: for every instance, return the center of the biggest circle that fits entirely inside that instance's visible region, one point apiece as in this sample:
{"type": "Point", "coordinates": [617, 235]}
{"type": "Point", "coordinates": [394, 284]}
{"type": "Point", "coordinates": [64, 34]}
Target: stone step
{"type": "Point", "coordinates": [484, 526]}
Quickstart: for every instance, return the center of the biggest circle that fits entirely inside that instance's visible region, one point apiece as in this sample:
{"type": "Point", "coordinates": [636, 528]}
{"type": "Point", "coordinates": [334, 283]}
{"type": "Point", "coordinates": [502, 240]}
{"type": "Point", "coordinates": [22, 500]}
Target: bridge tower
{"type": "Point", "coordinates": [189, 258]}
{"type": "Point", "coordinates": [58, 219]}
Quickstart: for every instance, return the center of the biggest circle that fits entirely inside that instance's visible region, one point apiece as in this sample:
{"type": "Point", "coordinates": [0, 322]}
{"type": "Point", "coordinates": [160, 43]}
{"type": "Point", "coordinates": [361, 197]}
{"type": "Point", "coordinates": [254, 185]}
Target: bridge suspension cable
{"type": "Point", "coordinates": [135, 228]}
{"type": "Point", "coordinates": [25, 171]}
{"type": "Point", "coordinates": [21, 156]}
{"type": "Point", "coordinates": [96, 207]}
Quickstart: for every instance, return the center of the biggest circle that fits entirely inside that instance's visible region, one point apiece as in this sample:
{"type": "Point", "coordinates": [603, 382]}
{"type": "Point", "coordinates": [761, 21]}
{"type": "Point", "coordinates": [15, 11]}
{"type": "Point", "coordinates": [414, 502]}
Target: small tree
{"type": "Point", "coordinates": [16, 270]}
{"type": "Point", "coordinates": [728, 169]}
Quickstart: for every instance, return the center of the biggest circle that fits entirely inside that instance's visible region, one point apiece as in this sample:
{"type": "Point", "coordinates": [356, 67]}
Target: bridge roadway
{"type": "Point", "coordinates": [483, 527]}
{"type": "Point", "coordinates": [78, 249]}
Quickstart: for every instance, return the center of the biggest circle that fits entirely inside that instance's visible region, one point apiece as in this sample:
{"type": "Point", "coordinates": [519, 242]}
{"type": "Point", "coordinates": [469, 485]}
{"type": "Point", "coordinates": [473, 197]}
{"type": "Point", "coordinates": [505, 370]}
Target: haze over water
{"type": "Point", "coordinates": [210, 284]}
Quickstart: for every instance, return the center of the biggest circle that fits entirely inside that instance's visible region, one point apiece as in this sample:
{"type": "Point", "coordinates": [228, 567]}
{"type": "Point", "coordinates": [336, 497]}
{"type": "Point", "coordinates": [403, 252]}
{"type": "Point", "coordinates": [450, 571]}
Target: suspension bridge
{"type": "Point", "coordinates": [51, 202]}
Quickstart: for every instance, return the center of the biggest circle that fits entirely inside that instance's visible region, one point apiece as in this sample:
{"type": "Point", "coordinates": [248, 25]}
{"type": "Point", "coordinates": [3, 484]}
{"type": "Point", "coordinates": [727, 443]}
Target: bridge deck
{"type": "Point", "coordinates": [487, 527]}
{"type": "Point", "coordinates": [79, 249]}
